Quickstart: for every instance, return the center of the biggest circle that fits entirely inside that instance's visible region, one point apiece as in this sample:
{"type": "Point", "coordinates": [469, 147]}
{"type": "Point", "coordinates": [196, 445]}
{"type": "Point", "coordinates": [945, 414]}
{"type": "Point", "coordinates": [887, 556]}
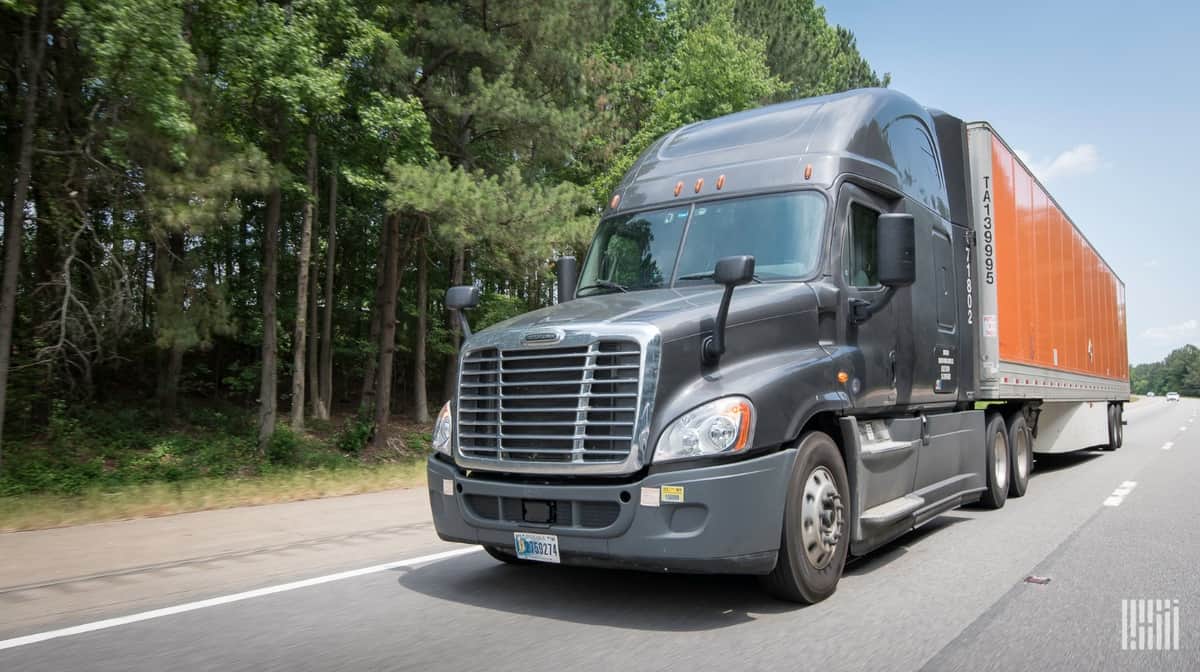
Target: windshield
{"type": "Point", "coordinates": [643, 251]}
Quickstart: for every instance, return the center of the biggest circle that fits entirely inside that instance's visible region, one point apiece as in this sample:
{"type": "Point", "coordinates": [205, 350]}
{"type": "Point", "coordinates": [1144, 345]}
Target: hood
{"type": "Point", "coordinates": [677, 313]}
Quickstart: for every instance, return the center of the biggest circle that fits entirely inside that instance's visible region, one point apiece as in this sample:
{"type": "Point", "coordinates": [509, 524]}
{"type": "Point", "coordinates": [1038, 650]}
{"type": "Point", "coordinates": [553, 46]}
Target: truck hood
{"type": "Point", "coordinates": [677, 313]}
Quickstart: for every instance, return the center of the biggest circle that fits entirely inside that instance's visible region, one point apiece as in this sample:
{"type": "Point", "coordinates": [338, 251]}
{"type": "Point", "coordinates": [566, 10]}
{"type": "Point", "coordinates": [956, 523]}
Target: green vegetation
{"type": "Point", "coordinates": [1178, 372]}
{"type": "Point", "coordinates": [220, 211]}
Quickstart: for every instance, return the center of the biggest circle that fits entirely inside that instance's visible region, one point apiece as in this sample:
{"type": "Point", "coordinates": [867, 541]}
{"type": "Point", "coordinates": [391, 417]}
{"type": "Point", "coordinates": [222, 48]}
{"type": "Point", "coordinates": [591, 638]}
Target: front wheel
{"type": "Point", "coordinates": [816, 538]}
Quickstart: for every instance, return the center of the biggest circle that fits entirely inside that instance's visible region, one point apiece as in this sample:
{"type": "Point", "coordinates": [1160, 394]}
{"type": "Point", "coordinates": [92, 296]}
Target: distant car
{"type": "Point", "coordinates": [1172, 396]}
{"type": "Point", "coordinates": [1149, 394]}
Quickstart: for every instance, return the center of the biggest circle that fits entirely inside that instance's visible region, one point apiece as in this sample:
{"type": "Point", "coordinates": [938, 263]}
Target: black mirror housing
{"type": "Point", "coordinates": [734, 271]}
{"type": "Point", "coordinates": [462, 297]}
{"type": "Point", "coordinates": [896, 251]}
{"type": "Point", "coordinates": [567, 270]}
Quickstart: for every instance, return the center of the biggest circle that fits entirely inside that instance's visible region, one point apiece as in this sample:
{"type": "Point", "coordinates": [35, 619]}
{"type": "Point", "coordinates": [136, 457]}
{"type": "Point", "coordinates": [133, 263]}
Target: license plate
{"type": "Point", "coordinates": [539, 547]}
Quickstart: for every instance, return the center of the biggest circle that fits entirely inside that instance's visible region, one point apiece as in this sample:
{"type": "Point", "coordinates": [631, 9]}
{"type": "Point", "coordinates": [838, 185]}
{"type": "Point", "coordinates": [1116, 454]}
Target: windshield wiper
{"type": "Point", "coordinates": [605, 284]}
{"type": "Point", "coordinates": [709, 275]}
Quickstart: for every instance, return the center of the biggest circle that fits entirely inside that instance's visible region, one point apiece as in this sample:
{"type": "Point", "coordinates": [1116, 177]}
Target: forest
{"type": "Point", "coordinates": [1177, 372]}
{"type": "Point", "coordinates": [229, 224]}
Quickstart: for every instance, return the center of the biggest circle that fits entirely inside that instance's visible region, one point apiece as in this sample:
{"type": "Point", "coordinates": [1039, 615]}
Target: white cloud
{"type": "Point", "coordinates": [1078, 160]}
{"type": "Point", "coordinates": [1172, 331]}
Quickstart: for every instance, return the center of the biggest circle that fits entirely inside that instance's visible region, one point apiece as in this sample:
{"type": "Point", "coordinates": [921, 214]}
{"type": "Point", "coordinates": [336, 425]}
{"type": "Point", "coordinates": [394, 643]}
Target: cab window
{"type": "Point", "coordinates": [862, 238]}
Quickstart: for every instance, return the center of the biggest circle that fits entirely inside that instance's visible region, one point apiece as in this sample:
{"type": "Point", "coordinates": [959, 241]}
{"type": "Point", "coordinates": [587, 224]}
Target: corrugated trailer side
{"type": "Point", "coordinates": [1052, 311]}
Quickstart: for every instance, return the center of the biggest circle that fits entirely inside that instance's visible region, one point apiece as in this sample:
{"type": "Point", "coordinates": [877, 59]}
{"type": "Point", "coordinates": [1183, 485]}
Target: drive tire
{"type": "Point", "coordinates": [505, 557]}
{"type": "Point", "coordinates": [818, 487]}
{"type": "Point", "coordinates": [996, 462]}
{"type": "Point", "coordinates": [1020, 454]}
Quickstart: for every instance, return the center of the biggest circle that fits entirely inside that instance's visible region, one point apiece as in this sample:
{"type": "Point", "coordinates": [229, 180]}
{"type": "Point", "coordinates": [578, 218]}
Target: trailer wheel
{"type": "Point", "coordinates": [997, 470]}
{"type": "Point", "coordinates": [1115, 431]}
{"type": "Point", "coordinates": [815, 538]}
{"type": "Point", "coordinates": [1020, 442]}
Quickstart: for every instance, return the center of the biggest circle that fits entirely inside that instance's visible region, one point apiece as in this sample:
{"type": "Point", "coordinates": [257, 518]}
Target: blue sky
{"type": "Point", "coordinates": [1103, 101]}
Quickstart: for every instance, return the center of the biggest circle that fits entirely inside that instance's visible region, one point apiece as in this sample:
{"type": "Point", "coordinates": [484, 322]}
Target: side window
{"type": "Point", "coordinates": [943, 260]}
{"type": "Point", "coordinates": [862, 238]}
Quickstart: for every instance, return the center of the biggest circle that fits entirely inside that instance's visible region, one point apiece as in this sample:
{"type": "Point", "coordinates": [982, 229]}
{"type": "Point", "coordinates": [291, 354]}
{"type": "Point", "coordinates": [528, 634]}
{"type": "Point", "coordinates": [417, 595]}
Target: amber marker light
{"type": "Point", "coordinates": [808, 172]}
{"type": "Point", "coordinates": [720, 182]}
{"type": "Point", "coordinates": [744, 414]}
{"type": "Point", "coordinates": [843, 376]}
{"type": "Point", "coordinates": [699, 184]}
{"type": "Point", "coordinates": [616, 200]}
{"type": "Point", "coordinates": [678, 187]}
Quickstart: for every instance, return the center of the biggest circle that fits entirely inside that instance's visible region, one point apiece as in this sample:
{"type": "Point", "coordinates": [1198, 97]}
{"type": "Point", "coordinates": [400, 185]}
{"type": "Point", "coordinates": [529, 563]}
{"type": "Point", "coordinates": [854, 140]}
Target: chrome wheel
{"type": "Point", "coordinates": [821, 518]}
{"type": "Point", "coordinates": [1024, 454]}
{"type": "Point", "coordinates": [1000, 461]}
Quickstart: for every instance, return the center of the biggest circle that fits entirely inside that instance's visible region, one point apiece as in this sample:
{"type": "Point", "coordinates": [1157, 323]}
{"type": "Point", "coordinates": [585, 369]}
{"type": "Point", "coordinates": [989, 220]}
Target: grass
{"type": "Point", "coordinates": [100, 504]}
{"type": "Point", "coordinates": [115, 461]}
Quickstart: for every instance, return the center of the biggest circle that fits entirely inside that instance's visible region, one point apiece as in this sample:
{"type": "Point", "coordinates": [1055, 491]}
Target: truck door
{"type": "Point", "coordinates": [928, 314]}
{"type": "Point", "coordinates": [873, 343]}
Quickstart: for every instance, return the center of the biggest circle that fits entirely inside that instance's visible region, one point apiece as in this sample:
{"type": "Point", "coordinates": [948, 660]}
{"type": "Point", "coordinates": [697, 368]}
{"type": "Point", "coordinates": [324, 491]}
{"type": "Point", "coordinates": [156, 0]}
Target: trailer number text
{"type": "Point", "coordinates": [989, 262]}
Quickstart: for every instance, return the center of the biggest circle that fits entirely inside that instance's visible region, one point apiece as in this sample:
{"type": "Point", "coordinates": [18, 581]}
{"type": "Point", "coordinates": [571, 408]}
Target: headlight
{"type": "Point", "coordinates": [441, 431]}
{"type": "Point", "coordinates": [725, 425]}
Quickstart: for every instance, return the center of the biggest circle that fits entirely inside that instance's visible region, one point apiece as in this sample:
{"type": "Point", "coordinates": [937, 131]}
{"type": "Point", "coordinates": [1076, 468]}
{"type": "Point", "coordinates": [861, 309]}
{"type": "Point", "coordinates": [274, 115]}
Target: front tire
{"type": "Point", "coordinates": [816, 537]}
{"type": "Point", "coordinates": [997, 469]}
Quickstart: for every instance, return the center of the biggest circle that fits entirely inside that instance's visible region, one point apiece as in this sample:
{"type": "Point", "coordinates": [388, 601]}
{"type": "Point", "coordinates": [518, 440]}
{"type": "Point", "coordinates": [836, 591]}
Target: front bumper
{"type": "Point", "coordinates": [729, 520]}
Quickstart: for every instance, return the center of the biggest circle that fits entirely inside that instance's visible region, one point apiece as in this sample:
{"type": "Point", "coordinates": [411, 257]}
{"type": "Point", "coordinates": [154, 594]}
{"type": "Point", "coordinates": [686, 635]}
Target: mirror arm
{"type": "Point", "coordinates": [861, 310]}
{"type": "Point", "coordinates": [462, 323]}
{"type": "Point", "coordinates": [714, 345]}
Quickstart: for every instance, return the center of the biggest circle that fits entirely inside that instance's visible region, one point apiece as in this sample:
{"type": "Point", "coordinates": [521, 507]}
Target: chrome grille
{"type": "Point", "coordinates": [562, 404]}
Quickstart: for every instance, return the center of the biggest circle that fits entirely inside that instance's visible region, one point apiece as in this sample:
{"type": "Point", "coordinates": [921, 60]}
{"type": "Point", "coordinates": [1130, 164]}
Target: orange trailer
{"type": "Point", "coordinates": [1052, 310]}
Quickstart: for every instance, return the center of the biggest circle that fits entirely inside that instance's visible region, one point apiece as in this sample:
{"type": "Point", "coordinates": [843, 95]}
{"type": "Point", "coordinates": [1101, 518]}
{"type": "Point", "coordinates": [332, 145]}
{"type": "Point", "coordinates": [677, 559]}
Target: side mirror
{"type": "Point", "coordinates": [567, 270]}
{"type": "Point", "coordinates": [896, 255]}
{"type": "Point", "coordinates": [459, 299]}
{"type": "Point", "coordinates": [734, 271]}
{"type": "Point", "coordinates": [895, 259]}
{"type": "Point", "coordinates": [731, 272]}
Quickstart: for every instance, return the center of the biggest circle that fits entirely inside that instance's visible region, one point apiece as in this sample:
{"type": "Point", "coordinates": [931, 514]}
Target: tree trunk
{"type": "Point", "coordinates": [456, 278]}
{"type": "Point", "coordinates": [299, 341]}
{"type": "Point", "coordinates": [267, 392]}
{"type": "Point", "coordinates": [326, 384]}
{"type": "Point", "coordinates": [15, 223]}
{"type": "Point", "coordinates": [314, 369]}
{"type": "Point", "coordinates": [387, 334]}
{"type": "Point", "coordinates": [420, 392]}
{"type": "Point", "coordinates": [367, 399]}
{"type": "Point", "coordinates": [168, 262]}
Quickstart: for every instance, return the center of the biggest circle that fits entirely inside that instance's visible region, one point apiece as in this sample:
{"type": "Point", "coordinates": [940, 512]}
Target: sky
{"type": "Point", "coordinates": [1101, 99]}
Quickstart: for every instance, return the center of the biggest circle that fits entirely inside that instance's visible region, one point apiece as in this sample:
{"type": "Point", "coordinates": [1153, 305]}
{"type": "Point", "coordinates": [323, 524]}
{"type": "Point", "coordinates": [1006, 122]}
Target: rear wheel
{"type": "Point", "coordinates": [1020, 443]}
{"type": "Point", "coordinates": [996, 465]}
{"type": "Point", "coordinates": [1115, 431]}
{"type": "Point", "coordinates": [815, 538]}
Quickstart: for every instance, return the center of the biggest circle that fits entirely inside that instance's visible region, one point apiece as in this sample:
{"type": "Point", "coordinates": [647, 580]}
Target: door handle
{"type": "Point", "coordinates": [892, 361]}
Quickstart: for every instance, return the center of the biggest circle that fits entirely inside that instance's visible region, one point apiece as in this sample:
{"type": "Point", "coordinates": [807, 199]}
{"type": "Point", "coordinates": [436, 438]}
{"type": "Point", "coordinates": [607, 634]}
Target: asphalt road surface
{"type": "Point", "coordinates": [1102, 527]}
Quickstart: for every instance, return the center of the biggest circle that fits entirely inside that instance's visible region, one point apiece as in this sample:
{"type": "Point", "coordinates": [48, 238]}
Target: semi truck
{"type": "Point", "coordinates": [799, 332]}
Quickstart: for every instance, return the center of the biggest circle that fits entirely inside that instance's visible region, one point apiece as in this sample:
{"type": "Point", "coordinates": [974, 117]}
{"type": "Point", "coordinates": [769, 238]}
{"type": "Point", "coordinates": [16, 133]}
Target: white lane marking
{"type": "Point", "coordinates": [1120, 493]}
{"type": "Point", "coordinates": [1168, 445]}
{"type": "Point", "coordinates": [226, 599]}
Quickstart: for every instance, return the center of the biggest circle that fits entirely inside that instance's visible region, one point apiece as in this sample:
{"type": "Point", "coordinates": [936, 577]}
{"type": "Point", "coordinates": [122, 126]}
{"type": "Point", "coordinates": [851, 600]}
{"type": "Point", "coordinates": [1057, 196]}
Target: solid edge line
{"type": "Point", "coordinates": [225, 599]}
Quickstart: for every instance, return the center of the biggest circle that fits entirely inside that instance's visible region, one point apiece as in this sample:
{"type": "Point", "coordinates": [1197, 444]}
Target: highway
{"type": "Point", "coordinates": [1102, 527]}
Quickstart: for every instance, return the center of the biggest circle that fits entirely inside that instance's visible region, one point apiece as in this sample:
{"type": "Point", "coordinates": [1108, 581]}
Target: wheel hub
{"type": "Point", "coordinates": [821, 518]}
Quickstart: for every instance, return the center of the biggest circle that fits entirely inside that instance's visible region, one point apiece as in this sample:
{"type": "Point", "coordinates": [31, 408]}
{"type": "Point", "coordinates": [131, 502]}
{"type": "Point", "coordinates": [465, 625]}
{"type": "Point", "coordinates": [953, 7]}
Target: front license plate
{"type": "Point", "coordinates": [540, 547]}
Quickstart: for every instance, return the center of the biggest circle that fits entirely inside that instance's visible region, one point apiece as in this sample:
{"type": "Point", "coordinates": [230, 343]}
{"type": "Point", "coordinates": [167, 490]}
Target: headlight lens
{"type": "Point", "coordinates": [725, 425]}
{"type": "Point", "coordinates": [441, 431]}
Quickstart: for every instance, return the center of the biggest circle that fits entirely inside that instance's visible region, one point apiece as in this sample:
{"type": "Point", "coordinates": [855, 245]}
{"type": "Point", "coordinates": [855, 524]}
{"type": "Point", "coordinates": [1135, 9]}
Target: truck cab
{"type": "Point", "coordinates": [767, 361]}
